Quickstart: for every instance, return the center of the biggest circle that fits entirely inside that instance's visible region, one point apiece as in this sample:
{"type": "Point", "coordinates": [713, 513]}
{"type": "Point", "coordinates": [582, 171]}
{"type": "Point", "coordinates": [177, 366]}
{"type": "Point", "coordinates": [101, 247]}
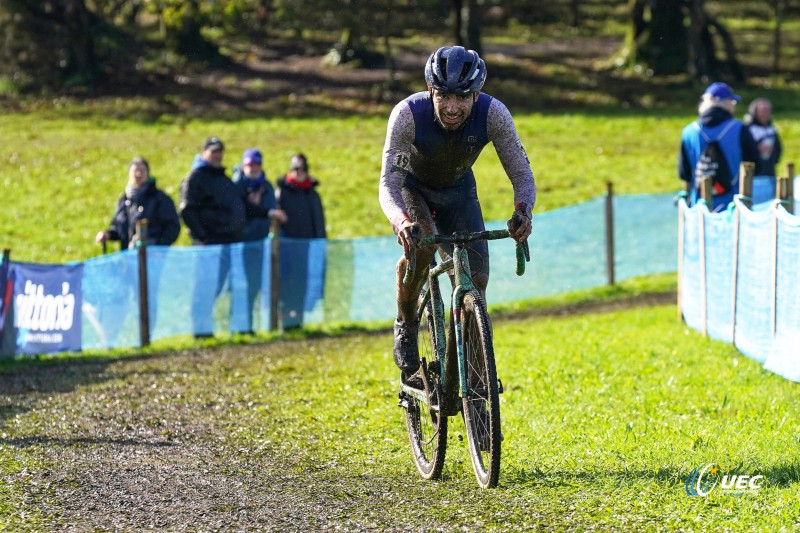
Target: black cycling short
{"type": "Point", "coordinates": [455, 208]}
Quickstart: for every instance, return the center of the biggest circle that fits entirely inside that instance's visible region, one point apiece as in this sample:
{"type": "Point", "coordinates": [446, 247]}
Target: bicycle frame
{"type": "Point", "coordinates": [462, 284]}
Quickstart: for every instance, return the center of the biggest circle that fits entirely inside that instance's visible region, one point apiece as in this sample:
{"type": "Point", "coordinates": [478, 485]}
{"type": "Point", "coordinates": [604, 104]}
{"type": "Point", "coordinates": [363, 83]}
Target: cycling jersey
{"type": "Point", "coordinates": [417, 147]}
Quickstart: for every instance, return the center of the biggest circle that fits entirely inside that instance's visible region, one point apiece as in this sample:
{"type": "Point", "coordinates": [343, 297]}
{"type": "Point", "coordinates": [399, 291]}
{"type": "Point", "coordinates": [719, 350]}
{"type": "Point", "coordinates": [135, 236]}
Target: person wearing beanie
{"type": "Point", "coordinates": [257, 192]}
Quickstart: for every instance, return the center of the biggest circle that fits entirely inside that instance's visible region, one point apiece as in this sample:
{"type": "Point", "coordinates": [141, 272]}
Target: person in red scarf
{"type": "Point", "coordinates": [298, 198]}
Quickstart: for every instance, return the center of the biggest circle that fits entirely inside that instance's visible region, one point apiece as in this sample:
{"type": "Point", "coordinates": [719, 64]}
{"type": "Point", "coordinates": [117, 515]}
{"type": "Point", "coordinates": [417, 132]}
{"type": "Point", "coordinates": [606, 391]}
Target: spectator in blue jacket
{"type": "Point", "coordinates": [253, 186]}
{"type": "Point", "coordinates": [715, 122]}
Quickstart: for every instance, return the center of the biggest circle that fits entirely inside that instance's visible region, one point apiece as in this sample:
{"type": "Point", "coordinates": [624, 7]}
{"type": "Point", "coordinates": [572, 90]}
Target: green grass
{"type": "Point", "coordinates": [604, 416]}
{"type": "Point", "coordinates": [60, 178]}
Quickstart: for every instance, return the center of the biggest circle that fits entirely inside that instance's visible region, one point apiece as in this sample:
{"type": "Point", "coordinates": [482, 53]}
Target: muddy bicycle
{"type": "Point", "coordinates": [461, 379]}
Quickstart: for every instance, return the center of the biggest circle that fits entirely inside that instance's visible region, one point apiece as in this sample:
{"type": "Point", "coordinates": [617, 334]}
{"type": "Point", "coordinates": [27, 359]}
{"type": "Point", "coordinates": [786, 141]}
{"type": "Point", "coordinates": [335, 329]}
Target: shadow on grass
{"type": "Point", "coordinates": [26, 442]}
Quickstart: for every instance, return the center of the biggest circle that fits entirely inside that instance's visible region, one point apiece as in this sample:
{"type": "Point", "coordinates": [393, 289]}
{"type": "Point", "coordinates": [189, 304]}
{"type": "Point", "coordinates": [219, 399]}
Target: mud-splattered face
{"type": "Point", "coordinates": [452, 110]}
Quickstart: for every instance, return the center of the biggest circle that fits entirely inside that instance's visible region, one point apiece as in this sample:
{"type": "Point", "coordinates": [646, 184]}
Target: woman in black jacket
{"type": "Point", "coordinates": [298, 198]}
{"type": "Point", "coordinates": [142, 200]}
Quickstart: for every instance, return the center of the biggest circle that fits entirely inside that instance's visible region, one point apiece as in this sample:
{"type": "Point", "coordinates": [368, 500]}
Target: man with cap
{"type": "Point", "coordinates": [214, 212]}
{"type": "Point", "coordinates": [257, 192]}
{"type": "Point", "coordinates": [210, 204]}
{"type": "Point", "coordinates": [715, 122]}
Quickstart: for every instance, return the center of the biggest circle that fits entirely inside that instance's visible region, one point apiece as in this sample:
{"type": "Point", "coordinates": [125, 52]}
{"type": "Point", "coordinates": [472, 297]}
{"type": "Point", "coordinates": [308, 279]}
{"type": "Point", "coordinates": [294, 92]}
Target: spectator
{"type": "Point", "coordinates": [212, 208]}
{"type": "Point", "coordinates": [257, 191]}
{"type": "Point", "coordinates": [715, 122]}
{"type": "Point", "coordinates": [142, 200]}
{"type": "Point", "coordinates": [254, 187]}
{"type": "Point", "coordinates": [210, 204]}
{"type": "Point", "coordinates": [759, 121]}
{"type": "Point", "coordinates": [300, 201]}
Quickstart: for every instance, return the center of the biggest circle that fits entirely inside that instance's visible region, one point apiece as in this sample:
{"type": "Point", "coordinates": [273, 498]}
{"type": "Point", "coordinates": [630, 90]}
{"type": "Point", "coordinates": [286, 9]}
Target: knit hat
{"type": "Point", "coordinates": [252, 155]}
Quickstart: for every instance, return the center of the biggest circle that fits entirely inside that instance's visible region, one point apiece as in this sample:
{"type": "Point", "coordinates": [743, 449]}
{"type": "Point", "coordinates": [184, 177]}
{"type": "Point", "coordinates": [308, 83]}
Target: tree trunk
{"type": "Point", "coordinates": [473, 36]}
{"type": "Point", "coordinates": [458, 22]}
{"type": "Point", "coordinates": [82, 62]}
{"type": "Point", "coordinates": [676, 38]}
{"type": "Point", "coordinates": [776, 45]}
{"type": "Point", "coordinates": [575, 13]}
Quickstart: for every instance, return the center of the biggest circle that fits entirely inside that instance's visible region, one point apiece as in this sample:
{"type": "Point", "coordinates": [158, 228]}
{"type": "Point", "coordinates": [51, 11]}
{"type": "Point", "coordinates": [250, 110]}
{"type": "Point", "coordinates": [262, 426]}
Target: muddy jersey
{"type": "Point", "coordinates": [418, 147]}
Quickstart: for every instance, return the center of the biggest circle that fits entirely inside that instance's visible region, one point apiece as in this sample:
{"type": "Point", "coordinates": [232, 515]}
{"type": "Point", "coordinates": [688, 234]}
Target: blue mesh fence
{"type": "Point", "coordinates": [219, 289]}
{"type": "Point", "coordinates": [747, 261]}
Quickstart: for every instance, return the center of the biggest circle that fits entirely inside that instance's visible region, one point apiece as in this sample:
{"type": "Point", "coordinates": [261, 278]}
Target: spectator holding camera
{"type": "Point", "coordinates": [257, 192]}
{"type": "Point", "coordinates": [140, 201]}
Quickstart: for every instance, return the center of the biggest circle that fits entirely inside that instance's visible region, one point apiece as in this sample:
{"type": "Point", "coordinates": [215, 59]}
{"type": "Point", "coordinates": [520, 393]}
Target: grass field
{"type": "Point", "coordinates": [604, 415]}
{"type": "Point", "coordinates": [60, 178]}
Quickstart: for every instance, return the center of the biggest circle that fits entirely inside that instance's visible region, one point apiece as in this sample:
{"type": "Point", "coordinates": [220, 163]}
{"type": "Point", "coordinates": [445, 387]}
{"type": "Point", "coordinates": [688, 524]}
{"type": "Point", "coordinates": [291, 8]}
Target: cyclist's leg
{"type": "Point", "coordinates": [406, 350]}
{"type": "Point", "coordinates": [419, 212]}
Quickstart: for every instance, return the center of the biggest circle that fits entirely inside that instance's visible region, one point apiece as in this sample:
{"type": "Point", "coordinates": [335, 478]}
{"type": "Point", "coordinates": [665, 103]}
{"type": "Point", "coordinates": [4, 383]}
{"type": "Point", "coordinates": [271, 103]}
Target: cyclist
{"type": "Point", "coordinates": [433, 139]}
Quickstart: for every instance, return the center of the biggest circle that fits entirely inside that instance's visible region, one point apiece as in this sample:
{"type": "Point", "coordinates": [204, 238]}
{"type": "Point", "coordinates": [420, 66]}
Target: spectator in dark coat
{"type": "Point", "coordinates": [759, 121]}
{"type": "Point", "coordinates": [210, 204]}
{"type": "Point", "coordinates": [298, 198]}
{"type": "Point", "coordinates": [253, 186]}
{"type": "Point", "coordinates": [142, 200]}
{"type": "Point", "coordinates": [214, 210]}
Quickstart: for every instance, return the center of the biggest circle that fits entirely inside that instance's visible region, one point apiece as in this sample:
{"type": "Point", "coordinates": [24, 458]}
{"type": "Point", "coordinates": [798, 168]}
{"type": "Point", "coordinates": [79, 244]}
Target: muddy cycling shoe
{"type": "Point", "coordinates": [413, 380]}
{"type": "Point", "coordinates": [406, 352]}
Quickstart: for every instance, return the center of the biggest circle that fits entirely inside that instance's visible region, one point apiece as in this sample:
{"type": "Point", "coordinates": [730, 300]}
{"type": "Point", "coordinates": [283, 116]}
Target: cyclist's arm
{"type": "Point", "coordinates": [394, 167]}
{"type": "Point", "coordinates": [503, 134]}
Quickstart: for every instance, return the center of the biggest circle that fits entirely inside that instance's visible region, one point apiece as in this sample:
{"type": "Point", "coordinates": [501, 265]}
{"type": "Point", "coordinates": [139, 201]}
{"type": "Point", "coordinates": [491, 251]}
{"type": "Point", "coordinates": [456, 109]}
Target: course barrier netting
{"type": "Point", "coordinates": [738, 280]}
{"type": "Point", "coordinates": [226, 288]}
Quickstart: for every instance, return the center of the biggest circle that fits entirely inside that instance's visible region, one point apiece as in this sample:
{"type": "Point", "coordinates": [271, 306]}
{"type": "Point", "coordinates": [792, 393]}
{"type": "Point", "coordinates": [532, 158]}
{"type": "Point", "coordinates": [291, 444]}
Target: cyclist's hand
{"type": "Point", "coordinates": [519, 226]}
{"type": "Point", "coordinates": [407, 235]}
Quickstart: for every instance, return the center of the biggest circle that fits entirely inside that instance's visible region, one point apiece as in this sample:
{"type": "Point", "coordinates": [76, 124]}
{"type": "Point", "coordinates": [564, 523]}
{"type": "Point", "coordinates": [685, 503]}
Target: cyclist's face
{"type": "Point", "coordinates": [452, 110]}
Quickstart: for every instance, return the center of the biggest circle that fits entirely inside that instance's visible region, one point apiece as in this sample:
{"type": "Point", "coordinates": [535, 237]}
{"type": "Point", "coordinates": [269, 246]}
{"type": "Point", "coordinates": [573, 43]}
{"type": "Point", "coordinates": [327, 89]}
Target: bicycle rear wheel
{"type": "Point", "coordinates": [427, 426]}
{"type": "Point", "coordinates": [481, 404]}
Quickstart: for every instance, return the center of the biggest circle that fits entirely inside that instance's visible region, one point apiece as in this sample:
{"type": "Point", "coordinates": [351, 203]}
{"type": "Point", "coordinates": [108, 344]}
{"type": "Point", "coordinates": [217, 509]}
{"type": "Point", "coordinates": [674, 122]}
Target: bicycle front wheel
{"type": "Point", "coordinates": [481, 403]}
{"type": "Point", "coordinates": [427, 426]}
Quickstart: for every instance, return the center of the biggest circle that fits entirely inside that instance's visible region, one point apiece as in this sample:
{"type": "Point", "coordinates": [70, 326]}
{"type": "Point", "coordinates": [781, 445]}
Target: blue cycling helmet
{"type": "Point", "coordinates": [454, 69]}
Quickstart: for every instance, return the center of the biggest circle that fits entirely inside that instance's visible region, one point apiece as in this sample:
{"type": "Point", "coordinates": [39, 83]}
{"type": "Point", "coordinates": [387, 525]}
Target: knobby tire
{"type": "Point", "coordinates": [427, 428]}
{"type": "Point", "coordinates": [481, 405]}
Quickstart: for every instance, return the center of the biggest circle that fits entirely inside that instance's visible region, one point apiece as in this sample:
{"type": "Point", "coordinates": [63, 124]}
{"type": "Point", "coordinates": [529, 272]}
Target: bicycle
{"type": "Point", "coordinates": [467, 373]}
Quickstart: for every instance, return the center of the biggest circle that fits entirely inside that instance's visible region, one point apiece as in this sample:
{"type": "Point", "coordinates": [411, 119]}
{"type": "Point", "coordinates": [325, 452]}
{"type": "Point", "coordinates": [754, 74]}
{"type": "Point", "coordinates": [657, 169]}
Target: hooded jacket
{"type": "Point", "coordinates": [211, 205]}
